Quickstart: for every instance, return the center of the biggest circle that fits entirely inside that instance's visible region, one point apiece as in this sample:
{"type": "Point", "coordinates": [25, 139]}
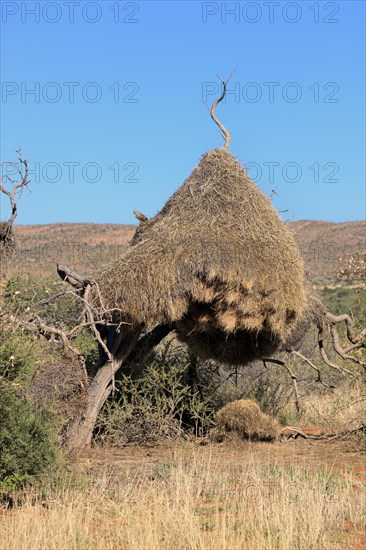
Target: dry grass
{"type": "Point", "coordinates": [191, 504]}
{"type": "Point", "coordinates": [218, 262]}
{"type": "Point", "coordinates": [338, 410]}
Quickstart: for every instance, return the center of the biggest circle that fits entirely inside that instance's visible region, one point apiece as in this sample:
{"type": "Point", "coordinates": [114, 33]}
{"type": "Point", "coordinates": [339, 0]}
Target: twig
{"type": "Point", "coordinates": [45, 329]}
{"type": "Point", "coordinates": [356, 346]}
{"type": "Point", "coordinates": [93, 322]}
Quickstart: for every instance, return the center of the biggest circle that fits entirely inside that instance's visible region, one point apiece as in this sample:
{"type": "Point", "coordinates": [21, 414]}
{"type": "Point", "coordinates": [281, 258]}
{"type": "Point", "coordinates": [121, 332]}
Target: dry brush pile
{"type": "Point", "coordinates": [244, 418]}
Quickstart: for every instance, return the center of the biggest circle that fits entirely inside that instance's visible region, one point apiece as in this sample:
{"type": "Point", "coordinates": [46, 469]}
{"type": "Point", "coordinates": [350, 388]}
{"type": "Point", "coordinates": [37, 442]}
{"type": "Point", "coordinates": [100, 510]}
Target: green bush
{"type": "Point", "coordinates": [27, 431]}
{"type": "Point", "coordinates": [19, 353]}
{"type": "Point", "coordinates": [37, 296]}
{"type": "Point", "coordinates": [27, 439]}
{"type": "Point", "coordinates": [155, 401]}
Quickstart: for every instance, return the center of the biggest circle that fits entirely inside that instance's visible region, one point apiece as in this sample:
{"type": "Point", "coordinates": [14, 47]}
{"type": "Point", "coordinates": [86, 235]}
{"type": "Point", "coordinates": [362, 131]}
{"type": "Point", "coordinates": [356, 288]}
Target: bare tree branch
{"type": "Point", "coordinates": [325, 357]}
{"type": "Point", "coordinates": [141, 218]}
{"type": "Point", "coordinates": [335, 319]}
{"type": "Point", "coordinates": [70, 276]}
{"type": "Point", "coordinates": [16, 192]}
{"type": "Point", "coordinates": [93, 322]}
{"type": "Point", "coordinates": [225, 133]}
{"type": "Point", "coordinates": [338, 348]}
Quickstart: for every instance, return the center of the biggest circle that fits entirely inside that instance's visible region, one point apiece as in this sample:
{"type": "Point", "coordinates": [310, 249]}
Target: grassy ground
{"type": "Point", "coordinates": [298, 495]}
{"type": "Point", "coordinates": [293, 495]}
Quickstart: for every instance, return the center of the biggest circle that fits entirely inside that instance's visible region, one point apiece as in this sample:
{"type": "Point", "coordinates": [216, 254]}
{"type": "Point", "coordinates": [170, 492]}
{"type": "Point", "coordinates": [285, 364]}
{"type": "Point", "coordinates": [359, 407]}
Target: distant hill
{"type": "Point", "coordinates": [85, 247]}
{"type": "Point", "coordinates": [324, 245]}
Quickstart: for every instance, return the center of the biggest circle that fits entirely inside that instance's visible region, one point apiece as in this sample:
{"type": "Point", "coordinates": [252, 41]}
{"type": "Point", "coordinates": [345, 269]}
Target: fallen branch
{"type": "Point", "coordinates": [296, 432]}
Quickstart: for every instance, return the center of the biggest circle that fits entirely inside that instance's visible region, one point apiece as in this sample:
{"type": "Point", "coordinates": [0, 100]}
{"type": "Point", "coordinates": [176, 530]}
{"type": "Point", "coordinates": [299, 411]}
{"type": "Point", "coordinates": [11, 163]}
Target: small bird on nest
{"type": "Point", "coordinates": [140, 217]}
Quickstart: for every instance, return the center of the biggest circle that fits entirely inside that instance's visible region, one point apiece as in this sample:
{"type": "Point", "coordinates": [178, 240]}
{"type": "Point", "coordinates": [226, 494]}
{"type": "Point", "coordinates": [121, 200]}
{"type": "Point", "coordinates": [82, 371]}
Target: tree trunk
{"type": "Point", "coordinates": [81, 430]}
{"type": "Point", "coordinates": [127, 347]}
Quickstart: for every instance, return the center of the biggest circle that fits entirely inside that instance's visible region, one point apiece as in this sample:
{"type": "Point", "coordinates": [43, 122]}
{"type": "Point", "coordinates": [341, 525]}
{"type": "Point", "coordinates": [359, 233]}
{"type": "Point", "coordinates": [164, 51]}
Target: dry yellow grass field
{"type": "Point", "coordinates": [294, 495]}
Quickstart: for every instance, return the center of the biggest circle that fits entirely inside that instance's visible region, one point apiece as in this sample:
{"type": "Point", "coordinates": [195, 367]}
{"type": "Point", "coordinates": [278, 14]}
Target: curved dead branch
{"type": "Point", "coordinates": [341, 352]}
{"type": "Point", "coordinates": [357, 342]}
{"type": "Point", "coordinates": [325, 357]}
{"type": "Point", "coordinates": [335, 319]}
{"type": "Point", "coordinates": [224, 132]}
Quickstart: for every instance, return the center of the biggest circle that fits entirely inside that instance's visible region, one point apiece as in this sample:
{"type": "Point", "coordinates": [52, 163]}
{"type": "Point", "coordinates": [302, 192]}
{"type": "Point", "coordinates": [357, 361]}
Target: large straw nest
{"type": "Point", "coordinates": [218, 262]}
{"type": "Point", "coordinates": [245, 419]}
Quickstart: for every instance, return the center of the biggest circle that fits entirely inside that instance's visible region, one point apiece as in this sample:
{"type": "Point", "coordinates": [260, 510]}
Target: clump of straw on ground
{"type": "Point", "coordinates": [245, 419]}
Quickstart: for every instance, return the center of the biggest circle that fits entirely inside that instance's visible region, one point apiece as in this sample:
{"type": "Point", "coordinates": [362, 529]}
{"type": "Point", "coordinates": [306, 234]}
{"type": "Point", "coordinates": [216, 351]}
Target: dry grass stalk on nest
{"type": "Point", "coordinates": [218, 262]}
{"type": "Point", "coordinates": [244, 418]}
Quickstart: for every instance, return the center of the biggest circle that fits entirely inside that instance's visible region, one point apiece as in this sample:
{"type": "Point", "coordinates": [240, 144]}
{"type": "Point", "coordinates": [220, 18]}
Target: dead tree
{"type": "Point", "coordinates": [12, 186]}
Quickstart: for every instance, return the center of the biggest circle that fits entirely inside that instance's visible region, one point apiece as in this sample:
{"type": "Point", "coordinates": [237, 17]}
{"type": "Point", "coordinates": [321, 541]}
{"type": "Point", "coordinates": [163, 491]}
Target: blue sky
{"type": "Point", "coordinates": [117, 118]}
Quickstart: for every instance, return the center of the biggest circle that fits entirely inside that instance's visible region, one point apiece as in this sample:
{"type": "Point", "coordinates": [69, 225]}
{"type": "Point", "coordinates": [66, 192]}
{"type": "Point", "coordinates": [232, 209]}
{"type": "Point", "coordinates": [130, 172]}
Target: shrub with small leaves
{"type": "Point", "coordinates": [27, 438]}
{"type": "Point", "coordinates": [157, 403]}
